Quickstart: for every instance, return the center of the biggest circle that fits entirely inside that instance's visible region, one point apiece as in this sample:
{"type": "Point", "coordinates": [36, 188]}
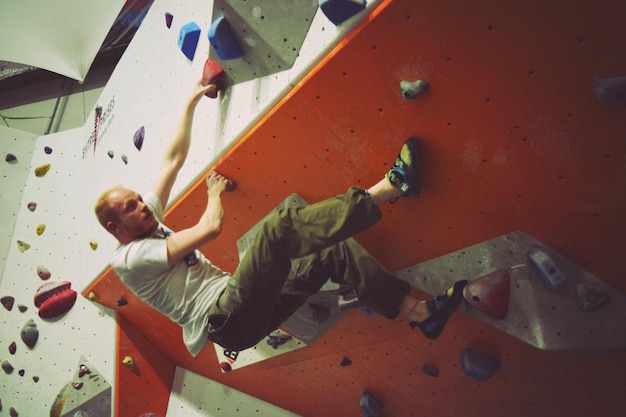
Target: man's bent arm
{"type": "Point", "coordinates": [176, 153]}
{"type": "Point", "coordinates": [208, 227]}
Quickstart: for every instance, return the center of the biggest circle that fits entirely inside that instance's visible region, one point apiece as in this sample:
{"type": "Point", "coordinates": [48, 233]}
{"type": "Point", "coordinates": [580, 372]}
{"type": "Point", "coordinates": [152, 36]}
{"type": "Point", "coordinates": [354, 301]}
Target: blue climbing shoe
{"type": "Point", "coordinates": [441, 308]}
{"type": "Point", "coordinates": [405, 171]}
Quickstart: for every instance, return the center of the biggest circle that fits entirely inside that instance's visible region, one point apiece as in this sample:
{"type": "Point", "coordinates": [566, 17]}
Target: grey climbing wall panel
{"type": "Point", "coordinates": [548, 320]}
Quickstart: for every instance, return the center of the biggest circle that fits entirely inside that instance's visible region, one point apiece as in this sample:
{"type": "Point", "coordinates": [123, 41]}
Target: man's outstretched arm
{"type": "Point", "coordinates": [178, 148]}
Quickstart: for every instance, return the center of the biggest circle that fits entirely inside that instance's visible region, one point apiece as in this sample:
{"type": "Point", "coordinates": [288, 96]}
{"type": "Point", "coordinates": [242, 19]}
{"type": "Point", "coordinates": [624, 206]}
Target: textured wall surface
{"type": "Point", "coordinates": [513, 139]}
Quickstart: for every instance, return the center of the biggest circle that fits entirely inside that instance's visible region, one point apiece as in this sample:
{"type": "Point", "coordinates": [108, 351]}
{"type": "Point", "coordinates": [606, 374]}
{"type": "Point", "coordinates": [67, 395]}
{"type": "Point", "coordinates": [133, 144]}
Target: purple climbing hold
{"type": "Point", "coordinates": [32, 206]}
{"type": "Point", "coordinates": [47, 150]}
{"type": "Point", "coordinates": [345, 361]}
{"type": "Point", "coordinates": [13, 412]}
{"type": "Point", "coordinates": [21, 372]}
{"type": "Point", "coordinates": [13, 348]}
{"type": "Point", "coordinates": [77, 385]}
{"type": "Point", "coordinates": [7, 367]}
{"type": "Point", "coordinates": [338, 11]}
{"type": "Point", "coordinates": [83, 370]}
{"type": "Point", "coordinates": [7, 301]}
{"type": "Point", "coordinates": [168, 19]}
{"type": "Point", "coordinates": [22, 308]}
{"type": "Point", "coordinates": [610, 90]}
{"type": "Point", "coordinates": [138, 137]}
{"type": "Point", "coordinates": [10, 158]}
{"type": "Point", "coordinates": [35, 379]}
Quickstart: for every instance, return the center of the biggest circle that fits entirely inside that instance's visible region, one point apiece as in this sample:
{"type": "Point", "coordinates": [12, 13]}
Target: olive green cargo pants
{"type": "Point", "coordinates": [296, 250]}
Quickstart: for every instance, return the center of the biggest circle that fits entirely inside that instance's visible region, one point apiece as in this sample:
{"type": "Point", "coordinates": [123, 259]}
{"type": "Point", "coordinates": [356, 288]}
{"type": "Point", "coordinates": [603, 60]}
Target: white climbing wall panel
{"type": "Point", "coordinates": [148, 89]}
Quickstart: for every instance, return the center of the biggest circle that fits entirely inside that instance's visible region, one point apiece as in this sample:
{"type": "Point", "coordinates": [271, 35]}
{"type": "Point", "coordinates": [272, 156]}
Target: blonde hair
{"type": "Point", "coordinates": [103, 209]}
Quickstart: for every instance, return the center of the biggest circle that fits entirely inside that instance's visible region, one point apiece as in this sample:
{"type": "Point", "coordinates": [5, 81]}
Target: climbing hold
{"type": "Point", "coordinates": [42, 170]}
{"type": "Point", "coordinates": [7, 367]}
{"type": "Point", "coordinates": [188, 39]}
{"type": "Point", "coordinates": [338, 11]}
{"type": "Point", "coordinates": [13, 412]}
{"type": "Point", "coordinates": [22, 246]}
{"type": "Point", "coordinates": [21, 372]}
{"type": "Point", "coordinates": [169, 18]}
{"type": "Point", "coordinates": [129, 362]}
{"type": "Point", "coordinates": [93, 244]}
{"type": "Point", "coordinates": [47, 150]}
{"type": "Point", "coordinates": [111, 154]}
{"type": "Point", "coordinates": [30, 334]}
{"type": "Point", "coordinates": [348, 299]}
{"type": "Point", "coordinates": [371, 406]}
{"type": "Point", "coordinates": [7, 301]}
{"type": "Point", "coordinates": [121, 302]}
{"type": "Point", "coordinates": [35, 379]}
{"type": "Point", "coordinates": [225, 367]}
{"type": "Point", "coordinates": [124, 159]}
{"type": "Point", "coordinates": [412, 89]}
{"type": "Point", "coordinates": [213, 74]}
{"type": "Point", "coordinates": [83, 370]}
{"type": "Point", "coordinates": [32, 206]}
{"type": "Point", "coordinates": [223, 40]}
{"type": "Point", "coordinates": [610, 90]}
{"type": "Point", "coordinates": [319, 314]}
{"type": "Point", "coordinates": [43, 272]}
{"type": "Point", "coordinates": [10, 158]}
{"type": "Point", "coordinates": [430, 369]}
{"type": "Point", "coordinates": [77, 385]}
{"type": "Point", "coordinates": [22, 308]}
{"type": "Point", "coordinates": [147, 415]}
{"type": "Point", "coordinates": [345, 362]}
{"type": "Point", "coordinates": [54, 299]}
{"type": "Point", "coordinates": [138, 137]}
{"type": "Point", "coordinates": [12, 348]}
{"type": "Point", "coordinates": [591, 296]}
{"type": "Point", "coordinates": [490, 294]}
{"type": "Point", "coordinates": [275, 340]}
{"type": "Point", "coordinates": [92, 296]}
{"type": "Point", "coordinates": [547, 268]}
{"type": "Point", "coordinates": [40, 229]}
{"type": "Point", "coordinates": [478, 365]}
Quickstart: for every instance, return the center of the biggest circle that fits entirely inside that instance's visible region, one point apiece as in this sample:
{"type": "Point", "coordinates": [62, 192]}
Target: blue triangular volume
{"type": "Point", "coordinates": [338, 11]}
{"type": "Point", "coordinates": [223, 40]}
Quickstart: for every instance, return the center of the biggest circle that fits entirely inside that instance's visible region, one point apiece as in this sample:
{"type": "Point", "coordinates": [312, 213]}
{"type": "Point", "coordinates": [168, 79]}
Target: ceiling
{"type": "Point", "coordinates": [22, 84]}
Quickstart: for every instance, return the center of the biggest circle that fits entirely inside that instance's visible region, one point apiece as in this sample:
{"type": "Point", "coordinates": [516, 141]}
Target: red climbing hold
{"type": "Point", "coordinates": [490, 293]}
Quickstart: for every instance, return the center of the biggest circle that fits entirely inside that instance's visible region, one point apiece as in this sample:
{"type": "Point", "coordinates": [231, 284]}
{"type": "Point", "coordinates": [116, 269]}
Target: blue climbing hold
{"type": "Point", "coordinates": [478, 365]}
{"type": "Point", "coordinates": [338, 11]}
{"type": "Point", "coordinates": [188, 39]}
{"type": "Point", "coordinates": [223, 40]}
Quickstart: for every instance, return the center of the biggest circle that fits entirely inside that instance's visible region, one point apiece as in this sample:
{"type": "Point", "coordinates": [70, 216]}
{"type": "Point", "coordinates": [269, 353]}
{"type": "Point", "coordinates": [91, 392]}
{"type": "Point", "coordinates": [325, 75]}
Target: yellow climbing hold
{"type": "Point", "coordinates": [22, 246]}
{"type": "Point", "coordinates": [93, 244]}
{"type": "Point", "coordinates": [129, 362]}
{"type": "Point", "coordinates": [40, 229]}
{"type": "Point", "coordinates": [93, 296]}
{"type": "Point", "coordinates": [42, 170]}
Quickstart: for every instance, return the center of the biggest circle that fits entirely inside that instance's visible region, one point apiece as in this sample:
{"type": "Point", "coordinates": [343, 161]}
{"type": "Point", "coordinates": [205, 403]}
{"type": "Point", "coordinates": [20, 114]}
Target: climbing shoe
{"type": "Point", "coordinates": [440, 309]}
{"type": "Point", "coordinates": [404, 173]}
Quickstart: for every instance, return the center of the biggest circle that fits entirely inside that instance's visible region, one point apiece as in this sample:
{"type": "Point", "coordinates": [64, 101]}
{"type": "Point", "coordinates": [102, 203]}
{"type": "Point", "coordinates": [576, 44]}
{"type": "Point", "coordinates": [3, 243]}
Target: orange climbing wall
{"type": "Point", "coordinates": [514, 139]}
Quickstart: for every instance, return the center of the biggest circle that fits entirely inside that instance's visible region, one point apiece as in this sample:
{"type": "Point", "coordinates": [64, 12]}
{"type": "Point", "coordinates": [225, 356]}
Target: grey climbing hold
{"type": "Point", "coordinates": [125, 159]}
{"type": "Point", "coordinates": [111, 154]}
{"type": "Point", "coordinates": [10, 158]}
{"type": "Point", "coordinates": [412, 89]}
{"type": "Point", "coordinates": [30, 333]}
{"type": "Point", "coordinates": [275, 340]}
{"type": "Point", "coordinates": [591, 296]}
{"type": "Point", "coordinates": [22, 308]}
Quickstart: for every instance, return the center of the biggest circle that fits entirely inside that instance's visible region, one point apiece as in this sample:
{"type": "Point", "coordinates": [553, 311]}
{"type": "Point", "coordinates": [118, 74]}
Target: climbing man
{"type": "Point", "coordinates": [295, 252]}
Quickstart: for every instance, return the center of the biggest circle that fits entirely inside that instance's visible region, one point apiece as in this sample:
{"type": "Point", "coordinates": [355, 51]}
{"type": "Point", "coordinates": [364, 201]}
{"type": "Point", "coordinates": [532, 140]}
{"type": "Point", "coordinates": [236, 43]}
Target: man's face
{"type": "Point", "coordinates": [135, 219]}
